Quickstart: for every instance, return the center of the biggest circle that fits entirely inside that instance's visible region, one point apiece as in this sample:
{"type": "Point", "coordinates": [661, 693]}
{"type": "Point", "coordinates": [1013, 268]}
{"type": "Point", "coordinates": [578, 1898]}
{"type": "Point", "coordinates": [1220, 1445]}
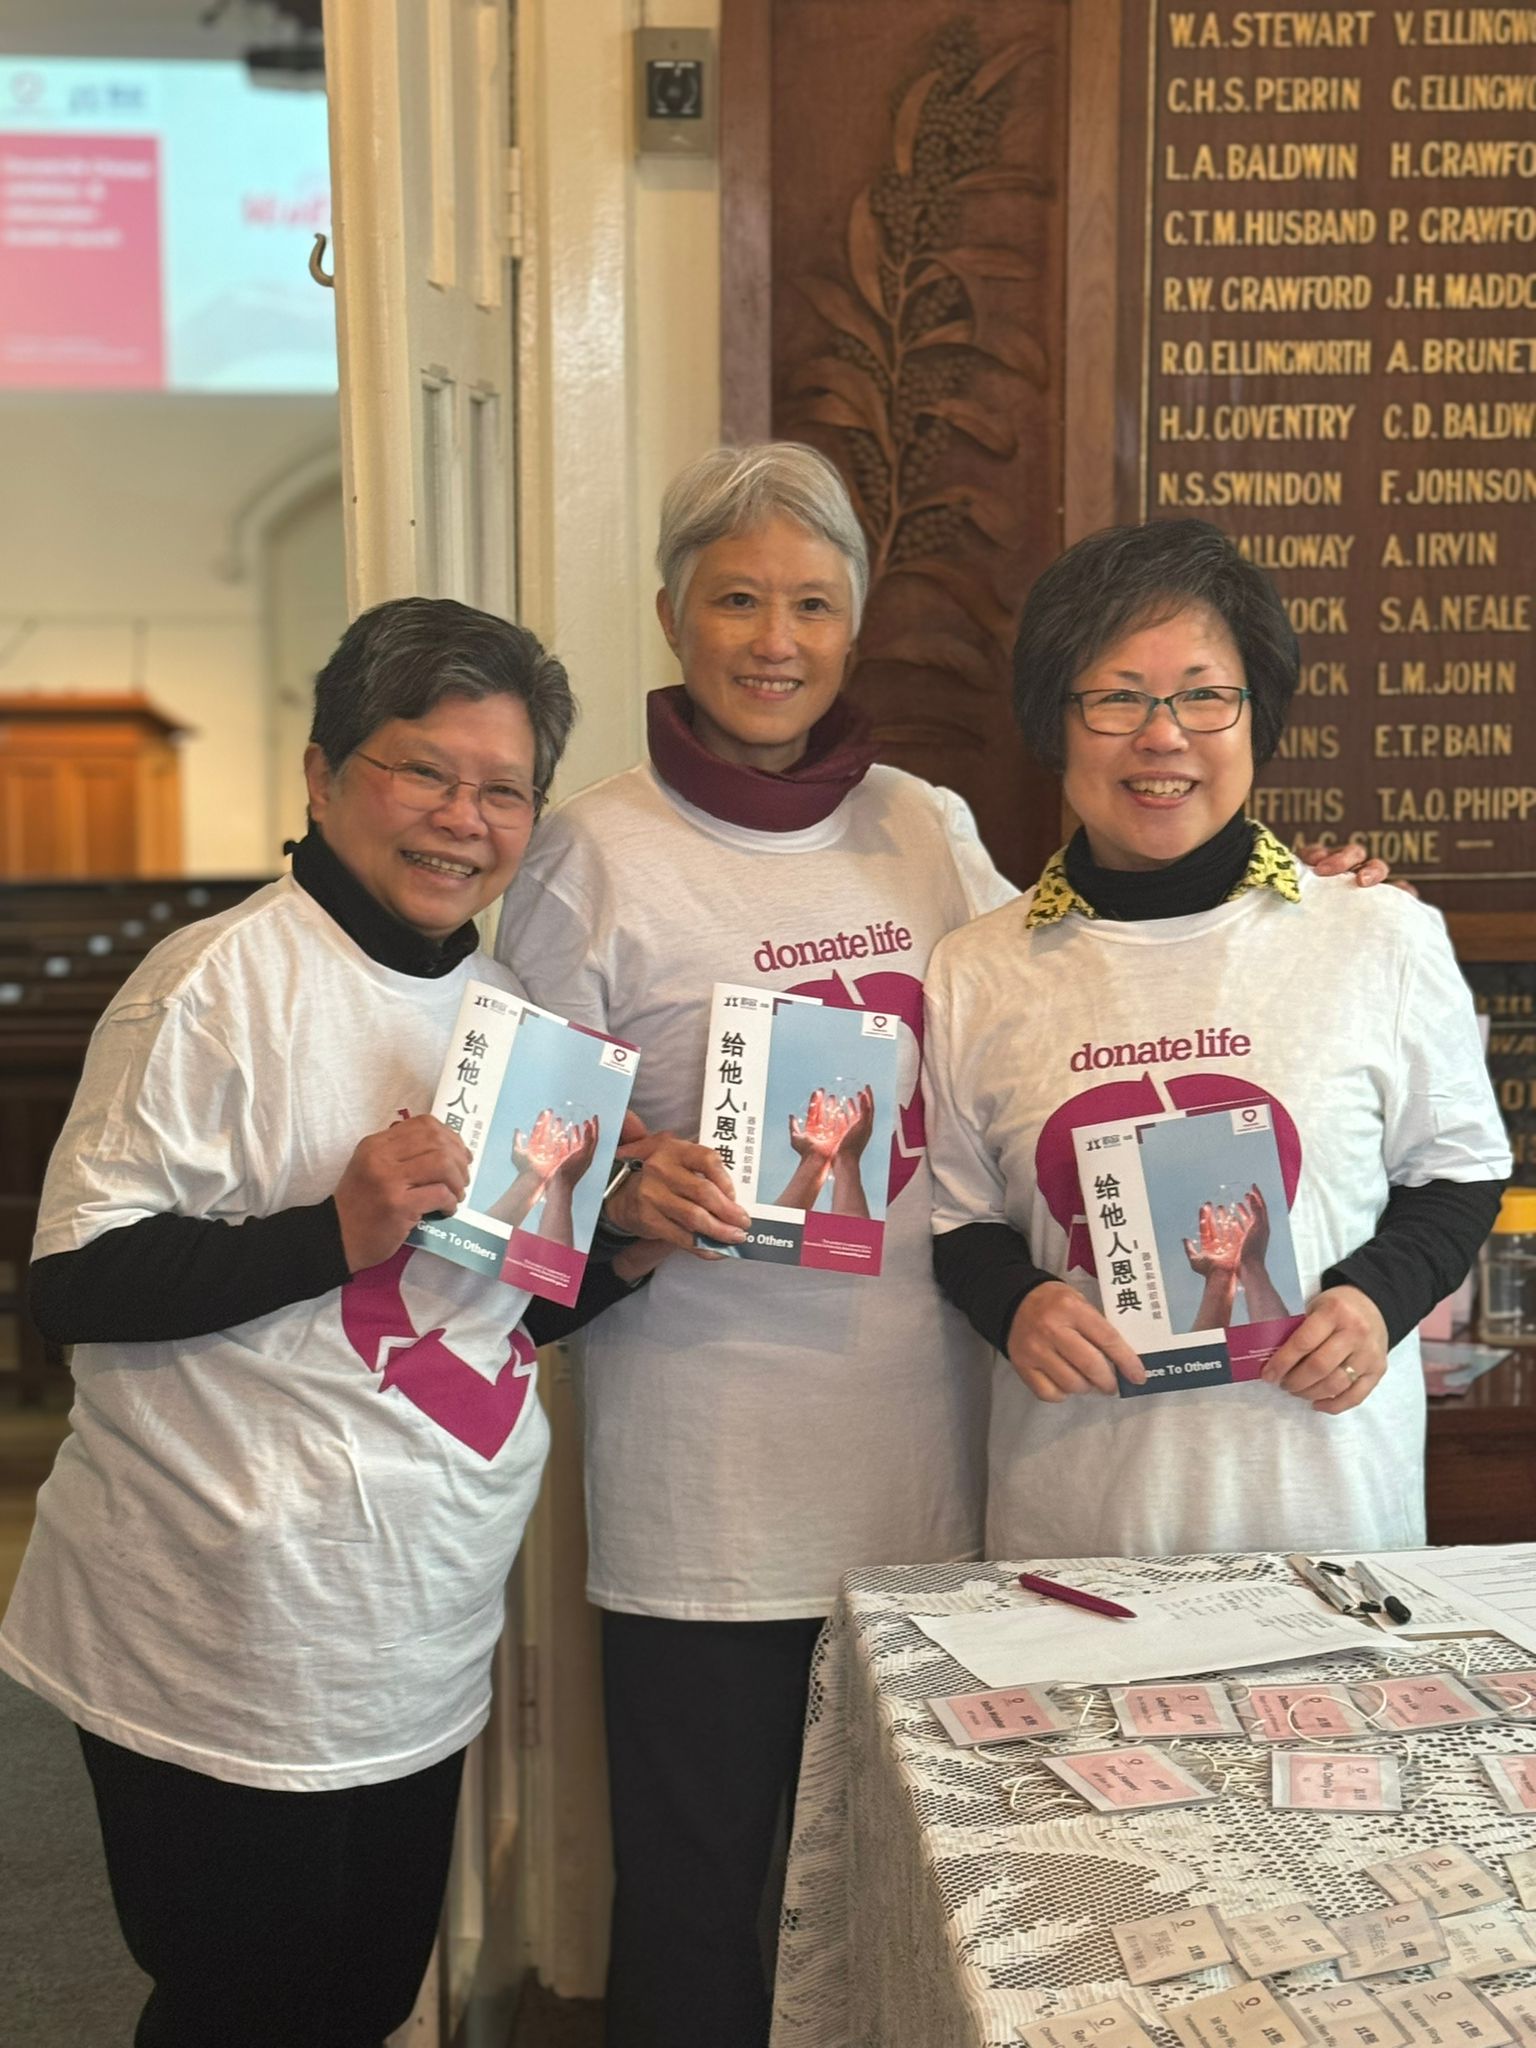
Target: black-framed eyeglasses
{"type": "Point", "coordinates": [422, 787]}
{"type": "Point", "coordinates": [1210, 707]}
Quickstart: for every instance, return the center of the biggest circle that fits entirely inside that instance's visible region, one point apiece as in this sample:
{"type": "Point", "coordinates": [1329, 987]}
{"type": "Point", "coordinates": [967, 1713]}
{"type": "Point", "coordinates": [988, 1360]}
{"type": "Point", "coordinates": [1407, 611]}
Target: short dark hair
{"type": "Point", "coordinates": [1125, 577]}
{"type": "Point", "coordinates": [402, 657]}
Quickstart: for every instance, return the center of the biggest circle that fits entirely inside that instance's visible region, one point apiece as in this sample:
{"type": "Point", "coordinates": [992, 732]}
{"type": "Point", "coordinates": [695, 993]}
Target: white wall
{"type": "Point", "coordinates": [120, 514]}
{"type": "Point", "coordinates": [620, 340]}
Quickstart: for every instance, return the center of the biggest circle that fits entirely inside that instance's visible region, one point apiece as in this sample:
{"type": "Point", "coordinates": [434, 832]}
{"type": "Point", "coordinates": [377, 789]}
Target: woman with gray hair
{"type": "Point", "coordinates": [750, 1434]}
{"type": "Point", "coordinates": [267, 1572]}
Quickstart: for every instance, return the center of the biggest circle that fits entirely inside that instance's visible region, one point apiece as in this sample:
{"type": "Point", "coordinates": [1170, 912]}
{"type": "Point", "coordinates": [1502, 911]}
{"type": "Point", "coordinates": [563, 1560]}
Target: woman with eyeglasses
{"type": "Point", "coordinates": [267, 1572]}
{"type": "Point", "coordinates": [1174, 957]}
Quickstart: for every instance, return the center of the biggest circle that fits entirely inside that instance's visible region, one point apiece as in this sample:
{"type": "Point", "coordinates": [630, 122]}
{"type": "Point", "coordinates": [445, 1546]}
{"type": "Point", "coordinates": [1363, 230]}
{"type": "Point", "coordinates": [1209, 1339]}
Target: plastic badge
{"type": "Point", "coordinates": [1111, 2024]}
{"type": "Point", "coordinates": [1166, 1713]}
{"type": "Point", "coordinates": [1513, 1693]}
{"type": "Point", "coordinates": [1301, 1713]}
{"type": "Point", "coordinates": [1170, 1945]}
{"type": "Point", "coordinates": [1514, 1779]}
{"type": "Point", "coordinates": [1246, 2016]}
{"type": "Point", "coordinates": [1444, 2014]}
{"type": "Point", "coordinates": [1128, 1780]}
{"type": "Point", "coordinates": [1447, 1880]}
{"type": "Point", "coordinates": [1013, 1714]}
{"type": "Point", "coordinates": [1517, 2009]}
{"type": "Point", "coordinates": [1283, 1938]}
{"type": "Point", "coordinates": [1521, 1865]}
{"type": "Point", "coordinates": [1487, 1943]}
{"type": "Point", "coordinates": [1414, 1704]}
{"type": "Point", "coordinates": [1335, 1781]}
{"type": "Point", "coordinates": [1344, 2016]}
{"type": "Point", "coordinates": [1389, 1938]}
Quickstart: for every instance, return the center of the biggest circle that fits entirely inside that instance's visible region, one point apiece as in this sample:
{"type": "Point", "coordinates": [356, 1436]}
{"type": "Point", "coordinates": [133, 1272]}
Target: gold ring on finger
{"type": "Point", "coordinates": [1350, 1372]}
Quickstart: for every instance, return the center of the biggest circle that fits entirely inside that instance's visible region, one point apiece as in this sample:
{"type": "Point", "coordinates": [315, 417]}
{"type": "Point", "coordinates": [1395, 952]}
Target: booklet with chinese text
{"type": "Point", "coordinates": [1190, 1224]}
{"type": "Point", "coordinates": [539, 1102]}
{"type": "Point", "coordinates": [800, 1103]}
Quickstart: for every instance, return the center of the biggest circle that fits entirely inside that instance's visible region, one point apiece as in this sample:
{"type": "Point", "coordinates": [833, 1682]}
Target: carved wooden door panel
{"type": "Point", "coordinates": [899, 304]}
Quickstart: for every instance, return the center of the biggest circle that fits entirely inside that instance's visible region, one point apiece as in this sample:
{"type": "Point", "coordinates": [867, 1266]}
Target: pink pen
{"type": "Point", "coordinates": [1074, 1597]}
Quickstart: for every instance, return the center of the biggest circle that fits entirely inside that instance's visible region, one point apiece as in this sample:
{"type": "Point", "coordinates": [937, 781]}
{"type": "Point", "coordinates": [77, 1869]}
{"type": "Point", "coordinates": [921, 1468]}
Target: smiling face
{"type": "Point", "coordinates": [1151, 797]}
{"type": "Point", "coordinates": [765, 641]}
{"type": "Point", "coordinates": [431, 869]}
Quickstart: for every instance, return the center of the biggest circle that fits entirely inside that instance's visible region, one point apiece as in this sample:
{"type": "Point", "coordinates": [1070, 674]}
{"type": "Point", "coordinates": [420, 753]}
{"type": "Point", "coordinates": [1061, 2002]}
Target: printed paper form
{"type": "Point", "coordinates": [1212, 1627]}
{"type": "Point", "coordinates": [1487, 1587]}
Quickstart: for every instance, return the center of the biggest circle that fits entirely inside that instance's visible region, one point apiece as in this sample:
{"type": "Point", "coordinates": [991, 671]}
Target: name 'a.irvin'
{"type": "Point", "coordinates": [1219, 1042]}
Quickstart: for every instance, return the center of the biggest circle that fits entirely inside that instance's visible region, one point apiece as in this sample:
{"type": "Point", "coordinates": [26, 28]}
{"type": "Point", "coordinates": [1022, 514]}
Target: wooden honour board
{"type": "Point", "coordinates": [1325, 323]}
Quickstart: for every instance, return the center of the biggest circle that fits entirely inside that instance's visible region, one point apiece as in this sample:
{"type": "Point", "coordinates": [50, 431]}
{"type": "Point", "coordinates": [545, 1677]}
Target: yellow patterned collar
{"type": "Point", "coordinates": [1271, 865]}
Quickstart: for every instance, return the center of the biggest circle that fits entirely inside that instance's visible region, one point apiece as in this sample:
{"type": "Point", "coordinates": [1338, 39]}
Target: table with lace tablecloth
{"type": "Point", "coordinates": [945, 1898]}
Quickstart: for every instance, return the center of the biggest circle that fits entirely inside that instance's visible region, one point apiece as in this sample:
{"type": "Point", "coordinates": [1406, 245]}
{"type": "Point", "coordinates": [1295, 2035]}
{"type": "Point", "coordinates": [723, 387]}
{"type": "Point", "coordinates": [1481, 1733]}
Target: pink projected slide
{"type": "Point", "coordinates": [80, 261]}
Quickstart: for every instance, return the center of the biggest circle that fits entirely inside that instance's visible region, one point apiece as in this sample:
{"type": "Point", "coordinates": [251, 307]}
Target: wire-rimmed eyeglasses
{"type": "Point", "coordinates": [422, 787]}
{"type": "Point", "coordinates": [1211, 707]}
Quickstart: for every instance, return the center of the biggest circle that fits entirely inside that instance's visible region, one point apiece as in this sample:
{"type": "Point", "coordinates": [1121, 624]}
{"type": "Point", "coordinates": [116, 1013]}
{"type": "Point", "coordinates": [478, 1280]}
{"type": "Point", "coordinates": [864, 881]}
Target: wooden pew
{"type": "Point", "coordinates": [66, 948]}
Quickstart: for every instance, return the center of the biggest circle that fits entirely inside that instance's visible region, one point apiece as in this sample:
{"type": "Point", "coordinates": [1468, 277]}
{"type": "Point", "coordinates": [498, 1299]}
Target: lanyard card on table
{"type": "Point", "coordinates": [1512, 1693]}
{"type": "Point", "coordinates": [1280, 1938]}
{"type": "Point", "coordinates": [1109, 2024]}
{"type": "Point", "coordinates": [1448, 1880]}
{"type": "Point", "coordinates": [1170, 1945]}
{"type": "Point", "coordinates": [1244, 2016]}
{"type": "Point", "coordinates": [1335, 1781]}
{"type": "Point", "coordinates": [1188, 1214]}
{"type": "Point", "coordinates": [1014, 1713]}
{"type": "Point", "coordinates": [1166, 1713]}
{"type": "Point", "coordinates": [1517, 2009]}
{"type": "Point", "coordinates": [1388, 1938]}
{"type": "Point", "coordinates": [1514, 1779]}
{"type": "Point", "coordinates": [1301, 1713]}
{"type": "Point", "coordinates": [1128, 1780]}
{"type": "Point", "coordinates": [1345, 2016]}
{"type": "Point", "coordinates": [1487, 1942]}
{"type": "Point", "coordinates": [1416, 1705]}
{"type": "Point", "coordinates": [800, 1103]}
{"type": "Point", "coordinates": [1444, 2014]}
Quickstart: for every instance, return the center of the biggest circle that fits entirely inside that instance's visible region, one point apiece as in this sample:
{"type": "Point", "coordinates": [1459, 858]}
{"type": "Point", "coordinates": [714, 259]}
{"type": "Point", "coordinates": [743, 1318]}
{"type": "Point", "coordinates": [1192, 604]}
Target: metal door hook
{"type": "Point", "coordinates": [316, 269]}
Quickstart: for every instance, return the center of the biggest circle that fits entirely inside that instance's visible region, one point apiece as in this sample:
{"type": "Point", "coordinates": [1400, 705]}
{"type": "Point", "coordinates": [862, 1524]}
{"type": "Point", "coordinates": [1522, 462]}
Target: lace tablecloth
{"type": "Point", "coordinates": [922, 1911]}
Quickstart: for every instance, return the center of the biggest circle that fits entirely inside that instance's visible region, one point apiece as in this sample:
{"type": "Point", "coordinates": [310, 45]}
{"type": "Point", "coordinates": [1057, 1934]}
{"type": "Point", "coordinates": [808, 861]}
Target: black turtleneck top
{"type": "Point", "coordinates": [168, 1277]}
{"type": "Point", "coordinates": [1426, 1237]}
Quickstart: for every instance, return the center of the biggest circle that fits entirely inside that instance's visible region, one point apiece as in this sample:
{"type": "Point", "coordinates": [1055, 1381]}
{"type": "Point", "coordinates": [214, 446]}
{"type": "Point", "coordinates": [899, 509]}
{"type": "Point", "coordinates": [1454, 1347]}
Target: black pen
{"type": "Point", "coordinates": [1389, 1603]}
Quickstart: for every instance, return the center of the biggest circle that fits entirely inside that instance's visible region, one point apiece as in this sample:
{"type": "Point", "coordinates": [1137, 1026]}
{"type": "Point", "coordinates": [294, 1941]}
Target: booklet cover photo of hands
{"type": "Point", "coordinates": [539, 1102]}
{"type": "Point", "coordinates": [1192, 1242]}
{"type": "Point", "coordinates": [800, 1103]}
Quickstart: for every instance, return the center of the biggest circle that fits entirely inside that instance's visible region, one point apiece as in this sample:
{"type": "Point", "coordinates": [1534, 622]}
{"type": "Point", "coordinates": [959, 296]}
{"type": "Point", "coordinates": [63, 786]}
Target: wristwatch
{"type": "Point", "coordinates": [606, 1232]}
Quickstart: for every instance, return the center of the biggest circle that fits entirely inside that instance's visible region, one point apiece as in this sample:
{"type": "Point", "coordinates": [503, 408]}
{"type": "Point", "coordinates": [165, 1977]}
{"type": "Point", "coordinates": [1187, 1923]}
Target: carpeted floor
{"type": "Point", "coordinates": [67, 1981]}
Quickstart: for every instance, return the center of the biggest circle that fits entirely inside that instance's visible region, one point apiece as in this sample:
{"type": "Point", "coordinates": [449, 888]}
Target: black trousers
{"type": "Point", "coordinates": [273, 1919]}
{"type": "Point", "coordinates": [704, 1726]}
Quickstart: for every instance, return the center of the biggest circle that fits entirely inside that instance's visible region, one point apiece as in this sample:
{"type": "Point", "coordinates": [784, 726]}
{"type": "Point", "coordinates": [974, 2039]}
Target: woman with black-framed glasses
{"type": "Point", "coordinates": [1175, 957]}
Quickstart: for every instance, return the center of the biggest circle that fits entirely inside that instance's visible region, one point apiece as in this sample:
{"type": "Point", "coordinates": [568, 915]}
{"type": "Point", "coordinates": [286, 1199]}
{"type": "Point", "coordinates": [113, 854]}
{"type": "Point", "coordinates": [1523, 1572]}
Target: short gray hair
{"type": "Point", "coordinates": [731, 490]}
{"type": "Point", "coordinates": [400, 658]}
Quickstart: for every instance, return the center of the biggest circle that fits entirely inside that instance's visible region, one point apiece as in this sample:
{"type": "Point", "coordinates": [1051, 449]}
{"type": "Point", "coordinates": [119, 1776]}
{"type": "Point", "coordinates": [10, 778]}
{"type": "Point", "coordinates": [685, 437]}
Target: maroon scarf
{"type": "Point", "coordinates": [840, 749]}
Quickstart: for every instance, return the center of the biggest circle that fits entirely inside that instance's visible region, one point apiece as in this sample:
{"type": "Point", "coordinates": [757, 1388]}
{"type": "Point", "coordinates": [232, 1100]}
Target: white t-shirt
{"type": "Point", "coordinates": [753, 1432]}
{"type": "Point", "coordinates": [276, 1554]}
{"type": "Point", "coordinates": [1361, 1033]}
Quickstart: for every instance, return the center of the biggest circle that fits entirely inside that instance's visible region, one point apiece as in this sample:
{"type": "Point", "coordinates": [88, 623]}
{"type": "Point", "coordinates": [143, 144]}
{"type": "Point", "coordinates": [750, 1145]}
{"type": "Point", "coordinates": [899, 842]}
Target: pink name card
{"type": "Point", "coordinates": [1012, 1714]}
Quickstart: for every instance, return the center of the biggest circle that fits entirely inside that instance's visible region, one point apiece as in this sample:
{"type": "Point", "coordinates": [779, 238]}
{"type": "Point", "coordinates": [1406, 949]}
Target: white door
{"type": "Point", "coordinates": [421, 172]}
{"type": "Point", "coordinates": [422, 187]}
